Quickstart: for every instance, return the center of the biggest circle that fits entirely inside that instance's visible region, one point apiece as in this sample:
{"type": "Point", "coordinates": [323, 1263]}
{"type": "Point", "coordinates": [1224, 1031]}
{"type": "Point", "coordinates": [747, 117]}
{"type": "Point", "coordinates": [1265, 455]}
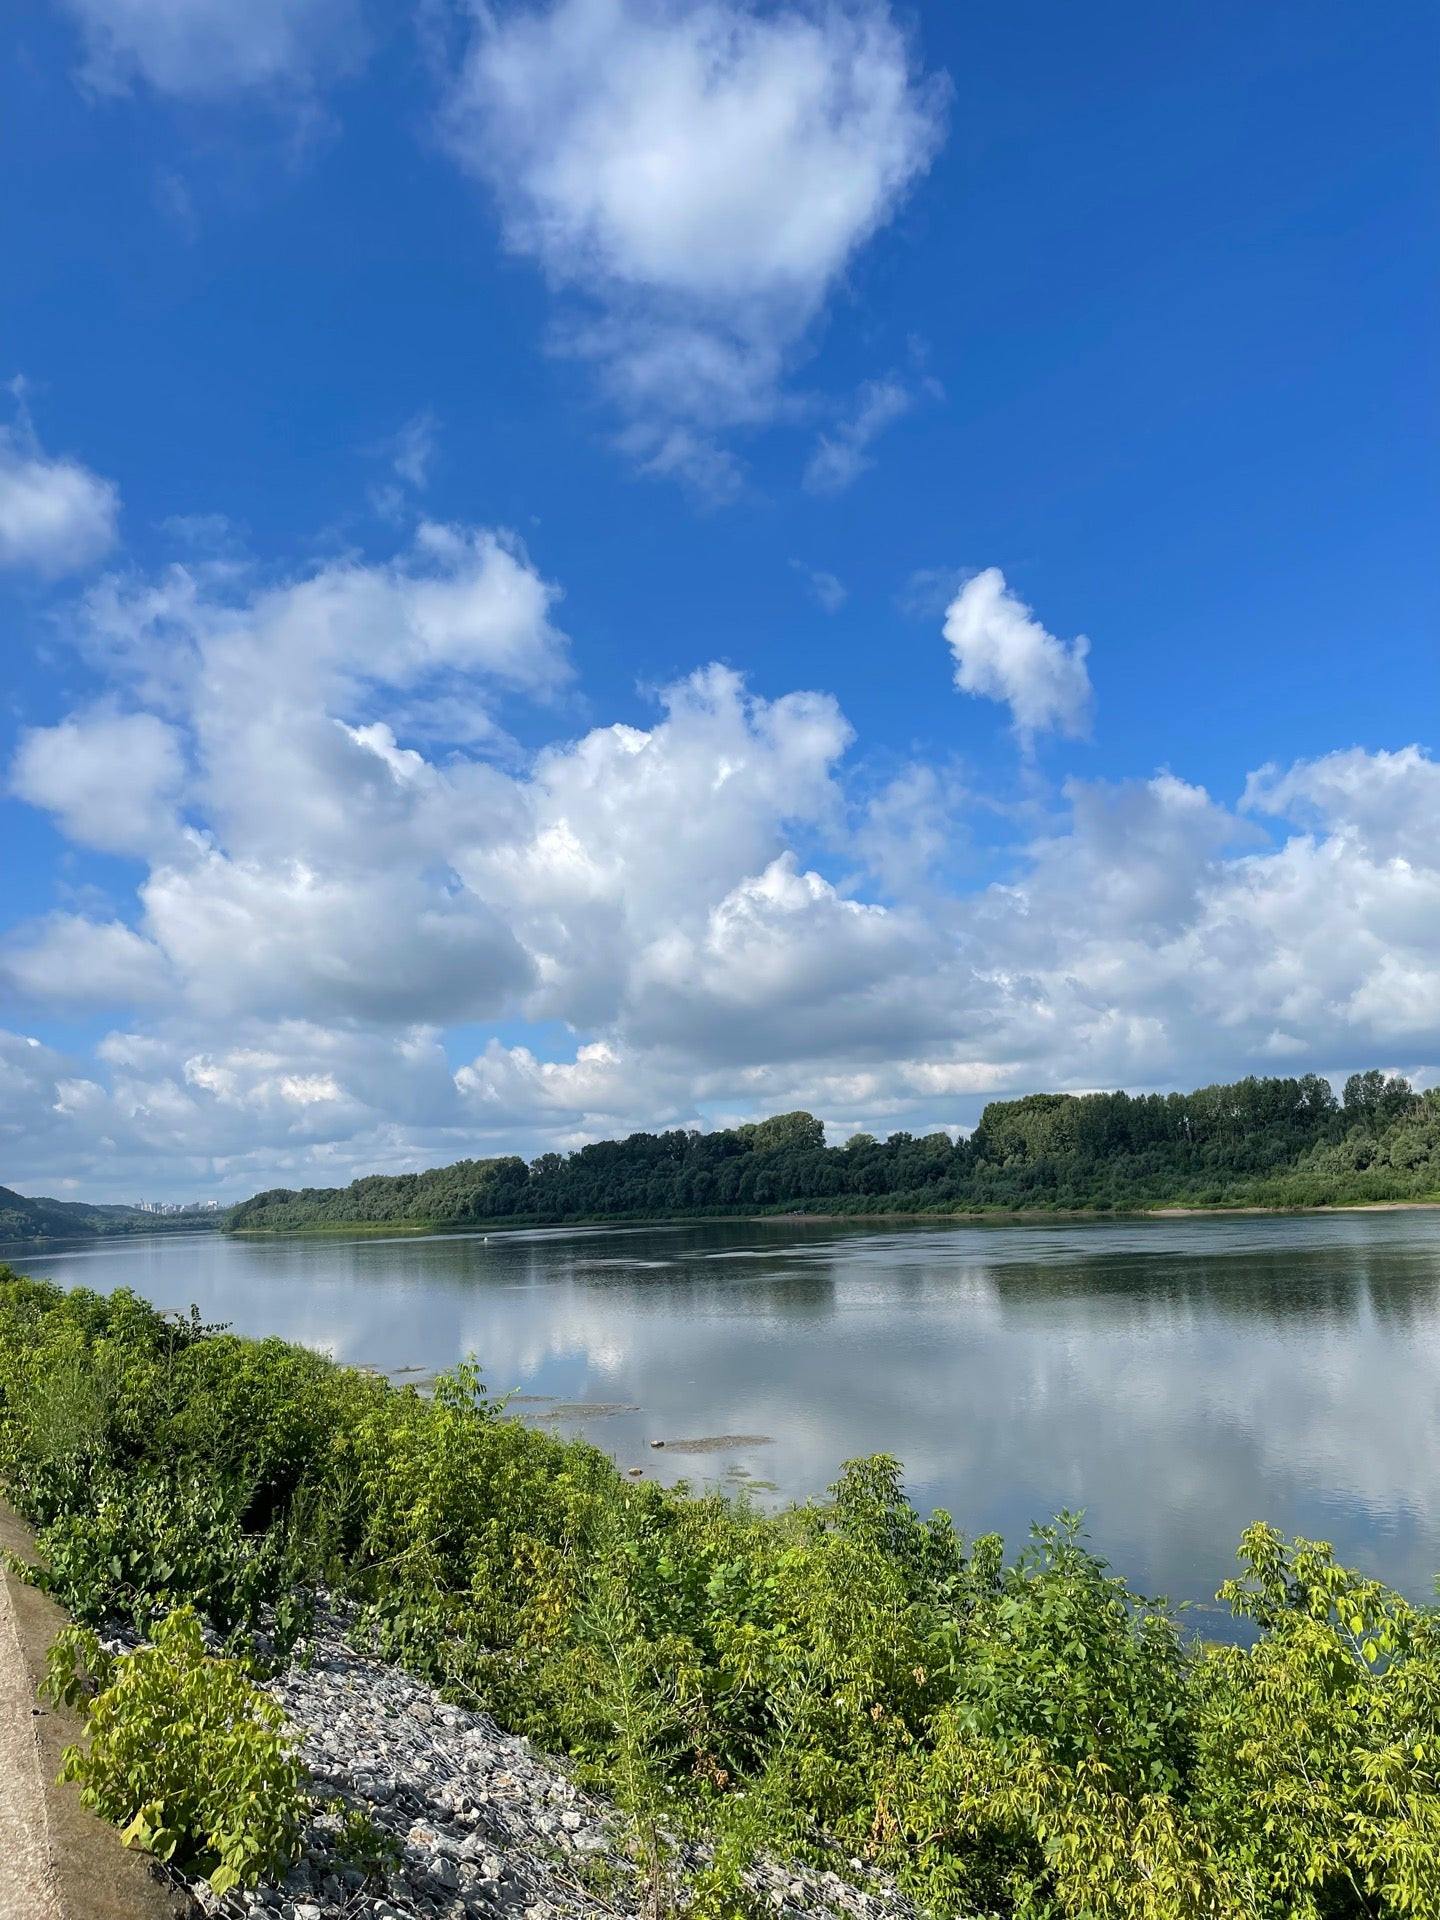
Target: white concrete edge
{"type": "Point", "coordinates": [29, 1887]}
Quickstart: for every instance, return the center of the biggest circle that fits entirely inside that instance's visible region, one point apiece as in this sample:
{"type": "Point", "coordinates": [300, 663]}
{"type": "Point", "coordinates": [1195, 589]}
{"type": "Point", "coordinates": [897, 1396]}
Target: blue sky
{"type": "Point", "coordinates": [407, 398]}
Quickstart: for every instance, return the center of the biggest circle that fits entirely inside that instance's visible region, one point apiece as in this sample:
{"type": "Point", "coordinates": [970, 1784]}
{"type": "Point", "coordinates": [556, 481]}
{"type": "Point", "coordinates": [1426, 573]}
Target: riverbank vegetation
{"type": "Point", "coordinates": [1258, 1142]}
{"type": "Point", "coordinates": [1014, 1735]}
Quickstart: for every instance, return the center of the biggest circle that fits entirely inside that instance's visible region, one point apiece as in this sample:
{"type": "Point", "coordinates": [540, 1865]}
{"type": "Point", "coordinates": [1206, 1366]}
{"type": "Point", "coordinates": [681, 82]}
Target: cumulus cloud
{"type": "Point", "coordinates": [1003, 653]}
{"type": "Point", "coordinates": [298, 855]}
{"type": "Point", "coordinates": [1156, 937]}
{"type": "Point", "coordinates": [55, 514]}
{"type": "Point", "coordinates": [67, 960]}
{"type": "Point", "coordinates": [1387, 802]}
{"type": "Point", "coordinates": [699, 174]}
{"type": "Point", "coordinates": [110, 779]}
{"type": "Point", "coordinates": [240, 1107]}
{"type": "Point", "coordinates": [329, 895]}
{"type": "Point", "coordinates": [629, 836]}
{"type": "Point", "coordinates": [785, 967]}
{"type": "Point", "coordinates": [375, 944]}
{"type": "Point", "coordinates": [205, 49]}
{"type": "Point", "coordinates": [910, 826]}
{"type": "Point", "coordinates": [460, 605]}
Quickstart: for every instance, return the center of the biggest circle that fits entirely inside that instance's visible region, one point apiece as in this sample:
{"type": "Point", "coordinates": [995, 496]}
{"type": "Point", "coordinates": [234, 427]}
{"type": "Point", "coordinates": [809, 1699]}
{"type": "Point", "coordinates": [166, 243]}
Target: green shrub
{"type": "Point", "coordinates": [183, 1753]}
{"type": "Point", "coordinates": [144, 1544]}
{"type": "Point", "coordinates": [1318, 1762]}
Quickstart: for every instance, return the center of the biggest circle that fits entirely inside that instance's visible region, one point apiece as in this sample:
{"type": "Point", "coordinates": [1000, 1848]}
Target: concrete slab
{"type": "Point", "coordinates": [27, 1876]}
{"type": "Point", "coordinates": [57, 1862]}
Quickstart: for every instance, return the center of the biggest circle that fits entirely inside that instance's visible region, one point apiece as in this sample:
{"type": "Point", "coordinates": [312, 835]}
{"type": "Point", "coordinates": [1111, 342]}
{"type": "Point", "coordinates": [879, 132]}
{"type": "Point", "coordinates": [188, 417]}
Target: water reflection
{"type": "Point", "coordinates": [1174, 1378]}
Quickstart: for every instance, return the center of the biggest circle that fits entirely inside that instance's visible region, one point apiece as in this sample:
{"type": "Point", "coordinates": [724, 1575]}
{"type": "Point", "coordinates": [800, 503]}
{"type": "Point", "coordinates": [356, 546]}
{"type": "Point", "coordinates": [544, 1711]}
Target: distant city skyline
{"type": "Point", "coordinates": [176, 1206]}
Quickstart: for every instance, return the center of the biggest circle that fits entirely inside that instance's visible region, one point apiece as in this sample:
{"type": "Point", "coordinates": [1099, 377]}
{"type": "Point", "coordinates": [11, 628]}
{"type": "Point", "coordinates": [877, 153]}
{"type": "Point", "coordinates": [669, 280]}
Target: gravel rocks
{"type": "Point", "coordinates": [483, 1827]}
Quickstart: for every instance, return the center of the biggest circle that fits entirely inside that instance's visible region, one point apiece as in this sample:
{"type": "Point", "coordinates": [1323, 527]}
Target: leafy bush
{"type": "Point", "coordinates": [148, 1541]}
{"type": "Point", "coordinates": [1318, 1763]}
{"type": "Point", "coordinates": [183, 1753]}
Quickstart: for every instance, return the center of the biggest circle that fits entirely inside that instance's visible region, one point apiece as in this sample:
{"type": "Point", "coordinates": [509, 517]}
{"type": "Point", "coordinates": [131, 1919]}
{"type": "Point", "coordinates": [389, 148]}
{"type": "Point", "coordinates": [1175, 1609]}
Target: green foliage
{"type": "Point", "coordinates": [1258, 1142]}
{"type": "Point", "coordinates": [142, 1543]}
{"type": "Point", "coordinates": [183, 1753]}
{"type": "Point", "coordinates": [1375, 1101]}
{"type": "Point", "coordinates": [800, 1132]}
{"type": "Point", "coordinates": [356, 1841]}
{"type": "Point", "coordinates": [1058, 1765]}
{"type": "Point", "coordinates": [1017, 1737]}
{"type": "Point", "coordinates": [1317, 1746]}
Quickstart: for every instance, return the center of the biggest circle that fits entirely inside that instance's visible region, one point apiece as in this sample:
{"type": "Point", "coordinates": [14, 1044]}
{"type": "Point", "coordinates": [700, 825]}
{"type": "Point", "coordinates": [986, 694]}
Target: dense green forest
{"type": "Point", "coordinates": [1258, 1142]}
{"type": "Point", "coordinates": [1018, 1736]}
{"type": "Point", "coordinates": [22, 1219]}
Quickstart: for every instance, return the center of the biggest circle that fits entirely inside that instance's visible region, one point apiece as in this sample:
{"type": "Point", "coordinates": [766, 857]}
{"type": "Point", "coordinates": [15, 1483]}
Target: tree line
{"type": "Point", "coordinates": [1259, 1141]}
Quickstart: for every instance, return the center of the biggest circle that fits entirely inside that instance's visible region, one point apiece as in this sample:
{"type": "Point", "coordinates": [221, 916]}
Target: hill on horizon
{"type": "Point", "coordinates": [22, 1218]}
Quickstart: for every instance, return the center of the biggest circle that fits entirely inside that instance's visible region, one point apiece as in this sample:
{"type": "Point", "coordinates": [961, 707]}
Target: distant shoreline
{"type": "Point", "coordinates": [996, 1216]}
{"type": "Point", "coordinates": [1325, 1206]}
{"type": "Point", "coordinates": [1033, 1216]}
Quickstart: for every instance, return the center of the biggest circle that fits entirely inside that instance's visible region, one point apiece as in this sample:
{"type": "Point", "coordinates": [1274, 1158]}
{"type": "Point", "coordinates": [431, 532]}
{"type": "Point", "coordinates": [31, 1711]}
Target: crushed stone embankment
{"type": "Point", "coordinates": [486, 1828]}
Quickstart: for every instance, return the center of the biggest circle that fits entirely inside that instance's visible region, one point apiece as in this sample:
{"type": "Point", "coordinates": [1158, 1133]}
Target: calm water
{"type": "Point", "coordinates": [1176, 1379]}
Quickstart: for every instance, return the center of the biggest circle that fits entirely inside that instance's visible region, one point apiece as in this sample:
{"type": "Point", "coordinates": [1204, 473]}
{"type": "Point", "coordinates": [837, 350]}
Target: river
{"type": "Point", "coordinates": [1174, 1378]}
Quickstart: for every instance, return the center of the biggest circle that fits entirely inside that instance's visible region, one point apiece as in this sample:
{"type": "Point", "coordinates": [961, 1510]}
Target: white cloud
{"type": "Point", "coordinates": [239, 1108]}
{"type": "Point", "coordinates": [415, 449]}
{"type": "Point", "coordinates": [910, 826]}
{"type": "Point", "coordinates": [1157, 940]}
{"type": "Point", "coordinates": [110, 779]}
{"type": "Point", "coordinates": [280, 939]}
{"type": "Point", "coordinates": [315, 880]}
{"type": "Point", "coordinates": [55, 514]}
{"type": "Point", "coordinates": [573, 1097]}
{"type": "Point", "coordinates": [462, 602]}
{"type": "Point", "coordinates": [843, 454]}
{"type": "Point", "coordinates": [328, 895]}
{"type": "Point", "coordinates": [700, 173]}
{"type": "Point", "coordinates": [784, 967]}
{"type": "Point", "coordinates": [831, 593]}
{"type": "Point", "coordinates": [205, 49]}
{"type": "Point", "coordinates": [67, 959]}
{"type": "Point", "coordinates": [644, 877]}
{"type": "Point", "coordinates": [928, 591]}
{"type": "Point", "coordinates": [1154, 940]}
{"type": "Point", "coordinates": [627, 837]}
{"type": "Point", "coordinates": [1003, 653]}
{"type": "Point", "coordinates": [1387, 802]}
{"type": "Point", "coordinates": [668, 451]}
